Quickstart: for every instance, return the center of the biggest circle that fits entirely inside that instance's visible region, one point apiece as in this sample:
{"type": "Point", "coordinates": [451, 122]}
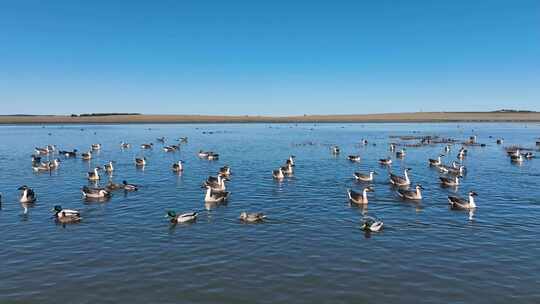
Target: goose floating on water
{"type": "Point", "coordinates": [364, 177]}
{"type": "Point", "coordinates": [109, 168]}
{"type": "Point", "coordinates": [66, 215]}
{"type": "Point", "coordinates": [27, 195]}
{"type": "Point", "coordinates": [278, 174]}
{"type": "Point", "coordinates": [436, 162]}
{"type": "Point", "coordinates": [445, 181]}
{"type": "Point", "coordinates": [93, 175]}
{"type": "Point", "coordinates": [411, 194]}
{"type": "Point", "coordinates": [95, 192]}
{"type": "Point", "coordinates": [460, 203]}
{"type": "Point", "coordinates": [140, 161]}
{"type": "Point", "coordinates": [371, 224]}
{"type": "Point", "coordinates": [181, 218]}
{"type": "Point", "coordinates": [86, 155]}
{"type": "Point", "coordinates": [400, 181]}
{"type": "Point", "coordinates": [354, 158]}
{"type": "Point", "coordinates": [147, 146]}
{"type": "Point", "coordinates": [69, 153]}
{"type": "Point", "coordinates": [215, 196]}
{"type": "Point", "coordinates": [252, 217]}
{"type": "Point", "coordinates": [359, 198]}
{"type": "Point", "coordinates": [178, 167]}
{"type": "Point", "coordinates": [401, 153]}
{"type": "Point", "coordinates": [96, 146]}
{"type": "Point", "coordinates": [385, 161]}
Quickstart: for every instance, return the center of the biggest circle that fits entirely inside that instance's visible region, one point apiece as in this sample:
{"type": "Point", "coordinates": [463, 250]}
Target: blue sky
{"type": "Point", "coordinates": [268, 57]}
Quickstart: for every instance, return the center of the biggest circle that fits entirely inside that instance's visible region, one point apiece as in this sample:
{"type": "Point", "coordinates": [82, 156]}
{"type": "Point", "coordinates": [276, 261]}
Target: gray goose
{"type": "Point", "coordinates": [364, 177]}
{"type": "Point", "coordinates": [415, 194]}
{"type": "Point", "coordinates": [399, 180]}
{"type": "Point", "coordinates": [359, 198]}
{"type": "Point", "coordinates": [460, 203]}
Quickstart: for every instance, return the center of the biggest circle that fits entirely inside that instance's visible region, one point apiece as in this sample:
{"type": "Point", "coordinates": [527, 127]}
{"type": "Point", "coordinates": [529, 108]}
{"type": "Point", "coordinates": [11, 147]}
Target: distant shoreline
{"type": "Point", "coordinates": [418, 117]}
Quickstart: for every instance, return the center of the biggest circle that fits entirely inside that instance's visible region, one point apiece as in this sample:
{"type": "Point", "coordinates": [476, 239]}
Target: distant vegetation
{"type": "Point", "coordinates": [102, 114]}
{"type": "Point", "coordinates": [512, 111]}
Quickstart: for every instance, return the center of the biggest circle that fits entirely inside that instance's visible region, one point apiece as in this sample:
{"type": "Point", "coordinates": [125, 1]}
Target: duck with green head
{"type": "Point", "coordinates": [181, 218]}
{"type": "Point", "coordinates": [66, 215]}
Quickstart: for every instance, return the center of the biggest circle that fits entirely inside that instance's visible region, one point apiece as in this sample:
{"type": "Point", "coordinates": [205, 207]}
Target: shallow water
{"type": "Point", "coordinates": [310, 250]}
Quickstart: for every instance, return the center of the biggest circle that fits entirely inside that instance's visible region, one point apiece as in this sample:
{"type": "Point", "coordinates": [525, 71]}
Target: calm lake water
{"type": "Point", "coordinates": [311, 249]}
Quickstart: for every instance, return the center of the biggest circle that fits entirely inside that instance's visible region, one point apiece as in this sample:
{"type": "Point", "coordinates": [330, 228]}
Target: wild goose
{"type": "Point", "coordinates": [370, 224]}
{"type": "Point", "coordinates": [215, 196]}
{"type": "Point", "coordinates": [130, 187]}
{"type": "Point", "coordinates": [517, 159]}
{"type": "Point", "coordinates": [335, 150]}
{"type": "Point", "coordinates": [364, 177]}
{"type": "Point", "coordinates": [447, 148]}
{"type": "Point", "coordinates": [212, 156]}
{"type": "Point", "coordinates": [181, 218]}
{"type": "Point", "coordinates": [66, 215]}
{"type": "Point", "coordinates": [278, 174]}
{"type": "Point", "coordinates": [291, 159]}
{"type": "Point", "coordinates": [27, 196]}
{"type": "Point", "coordinates": [109, 168]}
{"type": "Point", "coordinates": [287, 169]}
{"type": "Point", "coordinates": [225, 171]}
{"type": "Point", "coordinates": [445, 181]}
{"type": "Point", "coordinates": [216, 183]}
{"type": "Point", "coordinates": [385, 161]}
{"type": "Point", "coordinates": [86, 155]}
{"type": "Point", "coordinates": [252, 217]}
{"type": "Point", "coordinates": [42, 151]}
{"type": "Point", "coordinates": [357, 197]}
{"type": "Point", "coordinates": [69, 154]}
{"type": "Point", "coordinates": [147, 146]}
{"type": "Point", "coordinates": [96, 146]}
{"type": "Point", "coordinates": [140, 161]}
{"type": "Point", "coordinates": [436, 162]}
{"type": "Point", "coordinates": [202, 154]}
{"type": "Point", "coordinates": [460, 203]}
{"type": "Point", "coordinates": [113, 187]}
{"type": "Point", "coordinates": [93, 175]}
{"type": "Point", "coordinates": [411, 194]}
{"type": "Point", "coordinates": [178, 167]}
{"type": "Point", "coordinates": [400, 181]}
{"type": "Point", "coordinates": [88, 192]}
{"type": "Point", "coordinates": [392, 147]}
{"type": "Point", "coordinates": [400, 153]}
{"type": "Point", "coordinates": [354, 158]}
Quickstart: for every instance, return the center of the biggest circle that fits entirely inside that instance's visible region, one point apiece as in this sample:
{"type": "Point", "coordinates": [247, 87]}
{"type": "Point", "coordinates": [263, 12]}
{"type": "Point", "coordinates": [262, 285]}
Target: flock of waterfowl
{"type": "Point", "coordinates": [215, 189]}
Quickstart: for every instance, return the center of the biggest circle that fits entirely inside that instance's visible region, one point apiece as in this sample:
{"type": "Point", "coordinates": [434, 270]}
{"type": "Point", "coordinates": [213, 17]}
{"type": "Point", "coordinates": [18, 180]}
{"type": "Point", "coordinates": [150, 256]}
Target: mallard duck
{"type": "Point", "coordinates": [181, 218]}
{"type": "Point", "coordinates": [93, 175]}
{"type": "Point", "coordinates": [86, 155]}
{"type": "Point", "coordinates": [66, 215]}
{"type": "Point", "coordinates": [385, 161]}
{"type": "Point", "coordinates": [460, 203]}
{"type": "Point", "coordinates": [215, 196]}
{"type": "Point", "coordinates": [202, 154]}
{"type": "Point", "coordinates": [95, 192]}
{"type": "Point", "coordinates": [130, 187]}
{"type": "Point", "coordinates": [147, 146]}
{"type": "Point", "coordinates": [109, 168]}
{"type": "Point", "coordinates": [212, 156]}
{"type": "Point", "coordinates": [278, 174]}
{"type": "Point", "coordinates": [401, 153]}
{"type": "Point", "coordinates": [353, 158]}
{"type": "Point", "coordinates": [411, 194]}
{"type": "Point", "coordinates": [400, 181]}
{"type": "Point", "coordinates": [178, 166]}
{"type": "Point", "coordinates": [69, 154]}
{"type": "Point", "coordinates": [140, 161]}
{"type": "Point", "coordinates": [436, 162]}
{"type": "Point", "coordinates": [359, 198]}
{"type": "Point", "coordinates": [27, 195]}
{"type": "Point", "coordinates": [371, 224]}
{"type": "Point", "coordinates": [169, 149]}
{"type": "Point", "coordinates": [445, 181]}
{"type": "Point", "coordinates": [113, 186]}
{"type": "Point", "coordinates": [252, 217]}
{"type": "Point", "coordinates": [364, 177]}
{"type": "Point", "coordinates": [96, 146]}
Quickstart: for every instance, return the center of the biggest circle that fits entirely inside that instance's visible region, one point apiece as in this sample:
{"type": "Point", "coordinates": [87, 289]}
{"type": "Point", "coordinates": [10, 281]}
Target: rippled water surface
{"type": "Point", "coordinates": [310, 250]}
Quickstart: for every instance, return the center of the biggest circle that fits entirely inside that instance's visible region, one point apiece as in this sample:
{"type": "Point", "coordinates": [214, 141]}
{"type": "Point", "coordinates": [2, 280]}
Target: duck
{"type": "Point", "coordinates": [28, 195]}
{"type": "Point", "coordinates": [517, 159]}
{"type": "Point", "coordinates": [69, 154]}
{"type": "Point", "coordinates": [359, 198]}
{"type": "Point", "coordinates": [278, 174]}
{"type": "Point", "coordinates": [36, 159]}
{"type": "Point", "coordinates": [225, 171]}
{"type": "Point", "coordinates": [370, 224]}
{"type": "Point", "coordinates": [147, 146]}
{"type": "Point", "coordinates": [415, 194]}
{"type": "Point", "coordinates": [215, 196]}
{"type": "Point", "coordinates": [385, 161]}
{"type": "Point", "coordinates": [178, 167]}
{"type": "Point", "coordinates": [452, 182]}
{"type": "Point", "coordinates": [93, 175]}
{"type": "Point", "coordinates": [460, 203]}
{"type": "Point", "coordinates": [252, 217]}
{"type": "Point", "coordinates": [169, 148]}
{"type": "Point", "coordinates": [354, 158]}
{"type": "Point", "coordinates": [290, 160]}
{"type": "Point", "coordinates": [113, 186]}
{"type": "Point", "coordinates": [202, 154]}
{"type": "Point", "coordinates": [447, 148]}
{"type": "Point", "coordinates": [140, 161]}
{"type": "Point", "coordinates": [392, 147]}
{"type": "Point", "coordinates": [401, 153]}
{"type": "Point", "coordinates": [216, 183]}
{"type": "Point", "coordinates": [66, 215]}
{"type": "Point", "coordinates": [436, 162]}
{"type": "Point", "coordinates": [125, 145]}
{"type": "Point", "coordinates": [41, 151]}
{"type": "Point", "coordinates": [95, 192]}
{"type": "Point", "coordinates": [287, 169]}
{"type": "Point", "coordinates": [335, 150]}
{"type": "Point", "coordinates": [109, 168]}
{"type": "Point", "coordinates": [500, 141]}
{"type": "Point", "coordinates": [53, 164]}
{"type": "Point", "coordinates": [181, 218]}
{"type": "Point", "coordinates": [528, 155]}
{"type": "Point", "coordinates": [212, 156]}
{"type": "Point", "coordinates": [364, 177]}
{"type": "Point", "coordinates": [86, 155]}
{"type": "Point", "coordinates": [96, 146]}
{"type": "Point", "coordinates": [364, 142]}
{"type": "Point", "coordinates": [400, 181]}
{"type": "Point", "coordinates": [40, 167]}
{"type": "Point", "coordinates": [130, 187]}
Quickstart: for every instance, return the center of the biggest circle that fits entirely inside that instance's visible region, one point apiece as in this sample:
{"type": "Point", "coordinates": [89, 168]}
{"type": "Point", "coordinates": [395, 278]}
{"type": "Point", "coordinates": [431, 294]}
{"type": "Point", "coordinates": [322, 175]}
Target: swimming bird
{"type": "Point", "coordinates": [40, 167]}
{"type": "Point", "coordinates": [169, 148]}
{"type": "Point", "coordinates": [96, 146]}
{"type": "Point", "coordinates": [401, 153]}
{"type": "Point", "coordinates": [278, 174]}
{"type": "Point", "coordinates": [216, 183]}
{"type": "Point", "coordinates": [460, 203]}
{"type": "Point", "coordinates": [130, 187]}
{"type": "Point", "coordinates": [178, 167]}
{"type": "Point", "coordinates": [500, 141]}
{"type": "Point", "coordinates": [291, 159]}
{"type": "Point", "coordinates": [359, 198]}
{"type": "Point", "coordinates": [125, 145]}
{"type": "Point", "coordinates": [371, 224]}
{"type": "Point", "coordinates": [364, 177]}
{"type": "Point", "coordinates": [183, 140]}
{"type": "Point", "coordinates": [202, 154]}
{"type": "Point", "coordinates": [109, 168]}
{"type": "Point", "coordinates": [364, 142]}
{"type": "Point", "coordinates": [86, 155]}
{"type": "Point", "coordinates": [215, 196]}
{"type": "Point", "coordinates": [66, 215]}
{"type": "Point", "coordinates": [445, 181]}
{"type": "Point", "coordinates": [69, 153]}
{"type": "Point", "coordinates": [212, 156]}
{"type": "Point", "coordinates": [88, 192]}
{"type": "Point", "coordinates": [528, 155]}
{"type": "Point", "coordinates": [93, 175]}
{"type": "Point", "coordinates": [181, 218]}
{"type": "Point", "coordinates": [36, 159]}
{"type": "Point", "coordinates": [447, 148]}
{"type": "Point", "coordinates": [147, 146]}
{"type": "Point", "coordinates": [392, 147]}
{"type": "Point", "coordinates": [411, 194]}
{"type": "Point", "coordinates": [287, 169]}
{"type": "Point", "coordinates": [462, 153]}
{"type": "Point", "coordinates": [385, 161]}
{"type": "Point", "coordinates": [252, 217]}
{"type": "Point", "coordinates": [113, 186]}
{"type": "Point", "coordinates": [225, 171]}
{"type": "Point", "coordinates": [27, 194]}
{"type": "Point", "coordinates": [42, 151]}
{"type": "Point", "coordinates": [140, 161]}
{"type": "Point", "coordinates": [436, 162]}
{"type": "Point", "coordinates": [354, 158]}
{"type": "Point", "coordinates": [335, 150]}
{"type": "Point", "coordinates": [400, 181]}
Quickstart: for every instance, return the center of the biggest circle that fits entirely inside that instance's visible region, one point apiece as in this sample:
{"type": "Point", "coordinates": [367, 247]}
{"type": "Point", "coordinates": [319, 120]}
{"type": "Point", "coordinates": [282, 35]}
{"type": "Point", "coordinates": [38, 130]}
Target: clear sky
{"type": "Point", "coordinates": [273, 57]}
